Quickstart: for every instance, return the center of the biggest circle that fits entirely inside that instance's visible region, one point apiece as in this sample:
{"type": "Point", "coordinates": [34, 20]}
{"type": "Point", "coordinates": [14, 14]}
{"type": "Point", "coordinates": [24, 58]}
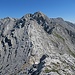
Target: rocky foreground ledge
{"type": "Point", "coordinates": [37, 45]}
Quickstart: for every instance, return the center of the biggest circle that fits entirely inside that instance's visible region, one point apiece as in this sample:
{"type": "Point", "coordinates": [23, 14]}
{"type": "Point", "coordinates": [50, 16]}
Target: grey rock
{"type": "Point", "coordinates": [37, 45]}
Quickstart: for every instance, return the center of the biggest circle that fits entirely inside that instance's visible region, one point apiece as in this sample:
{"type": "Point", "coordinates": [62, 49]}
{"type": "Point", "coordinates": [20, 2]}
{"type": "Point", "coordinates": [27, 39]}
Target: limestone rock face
{"type": "Point", "coordinates": [37, 45]}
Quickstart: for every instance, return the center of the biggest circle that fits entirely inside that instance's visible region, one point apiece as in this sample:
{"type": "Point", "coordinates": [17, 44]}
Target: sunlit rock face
{"type": "Point", "coordinates": [37, 45]}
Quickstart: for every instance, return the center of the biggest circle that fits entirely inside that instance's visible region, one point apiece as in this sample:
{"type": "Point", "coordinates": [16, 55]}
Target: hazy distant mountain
{"type": "Point", "coordinates": [37, 45]}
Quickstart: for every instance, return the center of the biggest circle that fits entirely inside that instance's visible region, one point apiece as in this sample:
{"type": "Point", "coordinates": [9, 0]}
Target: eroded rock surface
{"type": "Point", "coordinates": [37, 45]}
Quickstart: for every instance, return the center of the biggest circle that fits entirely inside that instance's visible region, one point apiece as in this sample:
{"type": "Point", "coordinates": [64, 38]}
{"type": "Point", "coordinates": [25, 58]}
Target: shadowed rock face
{"type": "Point", "coordinates": [37, 45]}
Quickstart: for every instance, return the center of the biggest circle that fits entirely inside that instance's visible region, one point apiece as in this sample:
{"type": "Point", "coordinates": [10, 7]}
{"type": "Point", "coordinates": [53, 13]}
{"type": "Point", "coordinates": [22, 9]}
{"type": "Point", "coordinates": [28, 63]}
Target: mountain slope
{"type": "Point", "coordinates": [37, 45]}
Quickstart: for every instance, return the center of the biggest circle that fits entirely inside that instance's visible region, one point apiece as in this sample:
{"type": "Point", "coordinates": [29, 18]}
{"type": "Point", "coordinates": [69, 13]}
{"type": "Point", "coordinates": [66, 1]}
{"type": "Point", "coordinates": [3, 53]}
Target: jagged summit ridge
{"type": "Point", "coordinates": [37, 45]}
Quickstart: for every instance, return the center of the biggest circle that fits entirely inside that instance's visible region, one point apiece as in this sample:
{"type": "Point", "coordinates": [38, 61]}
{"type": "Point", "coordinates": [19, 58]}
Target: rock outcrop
{"type": "Point", "coordinates": [37, 45]}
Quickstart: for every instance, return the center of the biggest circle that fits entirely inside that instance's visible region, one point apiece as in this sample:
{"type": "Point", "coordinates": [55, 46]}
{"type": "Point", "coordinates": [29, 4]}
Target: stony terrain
{"type": "Point", "coordinates": [37, 45]}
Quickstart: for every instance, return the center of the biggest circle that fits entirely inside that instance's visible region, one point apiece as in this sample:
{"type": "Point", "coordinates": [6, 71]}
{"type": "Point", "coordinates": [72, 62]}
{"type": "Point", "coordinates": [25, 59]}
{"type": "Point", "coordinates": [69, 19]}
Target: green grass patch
{"type": "Point", "coordinates": [73, 54]}
{"type": "Point", "coordinates": [58, 36]}
{"type": "Point", "coordinates": [53, 70]}
{"type": "Point", "coordinates": [47, 70]}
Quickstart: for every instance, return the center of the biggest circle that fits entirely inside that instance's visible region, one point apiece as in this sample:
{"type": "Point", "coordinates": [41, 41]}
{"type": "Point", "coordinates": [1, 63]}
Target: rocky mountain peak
{"type": "Point", "coordinates": [37, 45]}
{"type": "Point", "coordinates": [38, 14]}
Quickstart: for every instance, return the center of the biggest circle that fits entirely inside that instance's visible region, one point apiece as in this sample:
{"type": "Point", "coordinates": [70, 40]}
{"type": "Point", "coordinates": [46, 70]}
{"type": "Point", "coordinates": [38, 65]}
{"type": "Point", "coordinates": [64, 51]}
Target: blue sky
{"type": "Point", "coordinates": [52, 8]}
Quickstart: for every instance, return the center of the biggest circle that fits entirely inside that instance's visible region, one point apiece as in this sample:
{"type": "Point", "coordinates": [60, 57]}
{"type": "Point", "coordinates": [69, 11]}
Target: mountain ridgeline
{"type": "Point", "coordinates": [37, 45]}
